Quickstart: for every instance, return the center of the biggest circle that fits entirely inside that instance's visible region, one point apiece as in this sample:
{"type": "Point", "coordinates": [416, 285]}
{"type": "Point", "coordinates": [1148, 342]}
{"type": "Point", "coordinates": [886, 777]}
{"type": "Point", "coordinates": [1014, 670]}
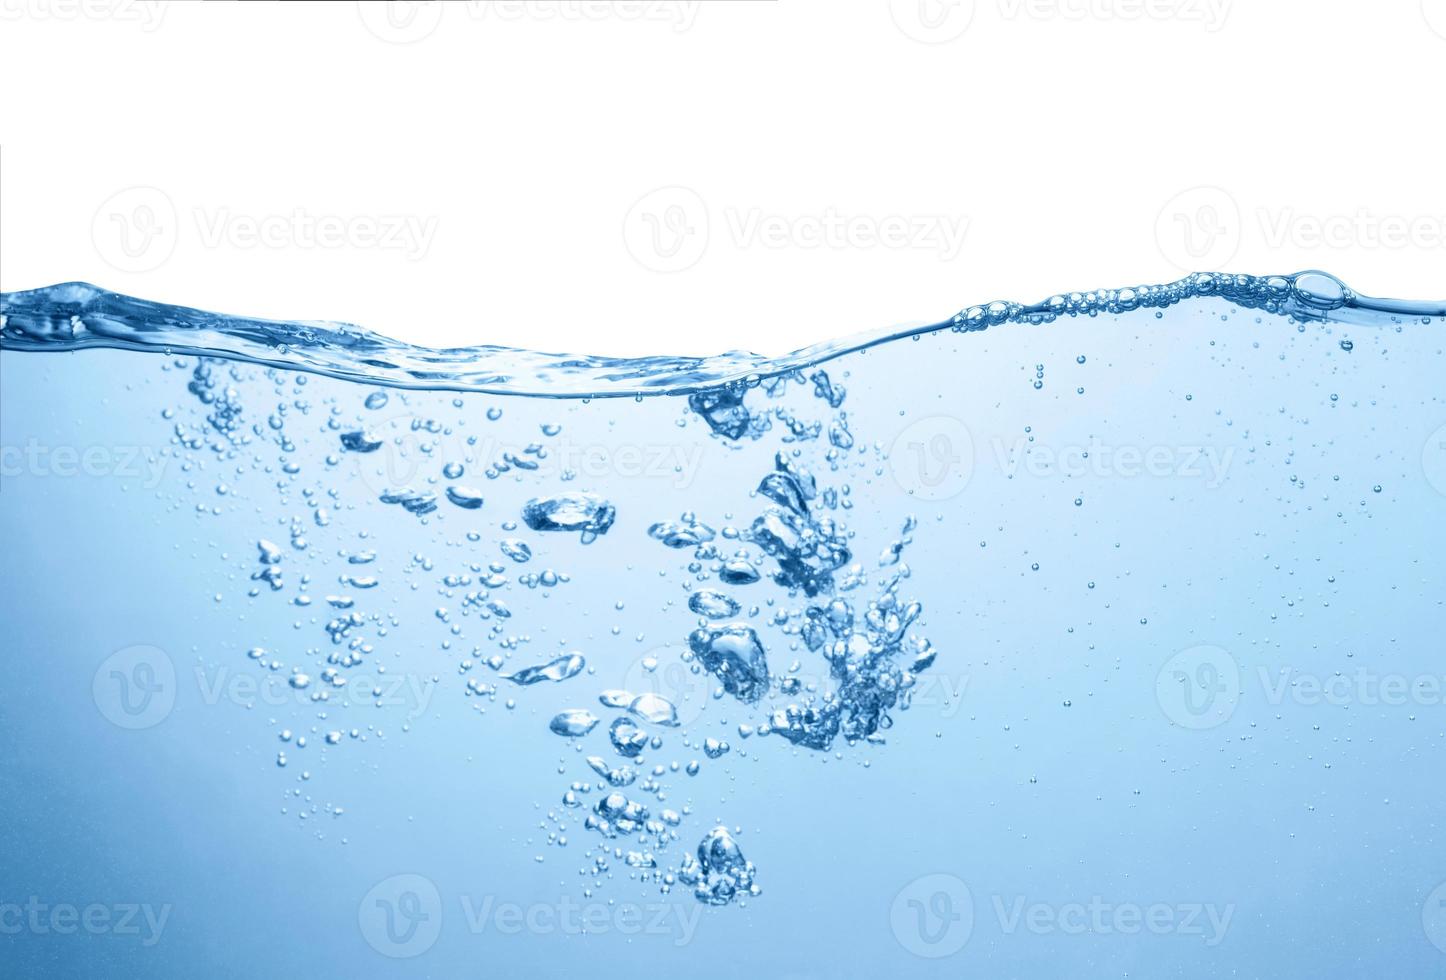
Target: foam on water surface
{"type": "Point", "coordinates": [72, 316]}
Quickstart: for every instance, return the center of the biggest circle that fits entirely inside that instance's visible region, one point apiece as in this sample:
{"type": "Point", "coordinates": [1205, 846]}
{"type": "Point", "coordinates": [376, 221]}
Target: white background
{"type": "Point", "coordinates": [646, 177]}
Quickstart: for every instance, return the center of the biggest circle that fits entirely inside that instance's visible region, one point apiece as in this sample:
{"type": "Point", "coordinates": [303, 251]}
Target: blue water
{"type": "Point", "coordinates": [1104, 642]}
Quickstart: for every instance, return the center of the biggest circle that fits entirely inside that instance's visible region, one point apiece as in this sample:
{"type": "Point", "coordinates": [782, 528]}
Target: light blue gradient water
{"type": "Point", "coordinates": [1181, 568]}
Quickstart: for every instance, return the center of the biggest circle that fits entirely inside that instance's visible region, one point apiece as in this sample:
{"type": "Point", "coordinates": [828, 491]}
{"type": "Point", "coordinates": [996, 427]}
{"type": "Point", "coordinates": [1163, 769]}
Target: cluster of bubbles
{"type": "Point", "coordinates": [867, 657]}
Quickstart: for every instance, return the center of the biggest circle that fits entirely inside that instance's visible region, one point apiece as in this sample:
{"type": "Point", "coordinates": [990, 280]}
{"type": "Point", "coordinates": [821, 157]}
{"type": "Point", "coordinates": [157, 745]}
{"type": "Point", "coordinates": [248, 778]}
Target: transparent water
{"type": "Point", "coordinates": [1103, 642]}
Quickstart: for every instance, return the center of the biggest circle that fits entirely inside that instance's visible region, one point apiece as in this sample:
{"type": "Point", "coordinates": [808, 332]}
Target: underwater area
{"type": "Point", "coordinates": [1096, 637]}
